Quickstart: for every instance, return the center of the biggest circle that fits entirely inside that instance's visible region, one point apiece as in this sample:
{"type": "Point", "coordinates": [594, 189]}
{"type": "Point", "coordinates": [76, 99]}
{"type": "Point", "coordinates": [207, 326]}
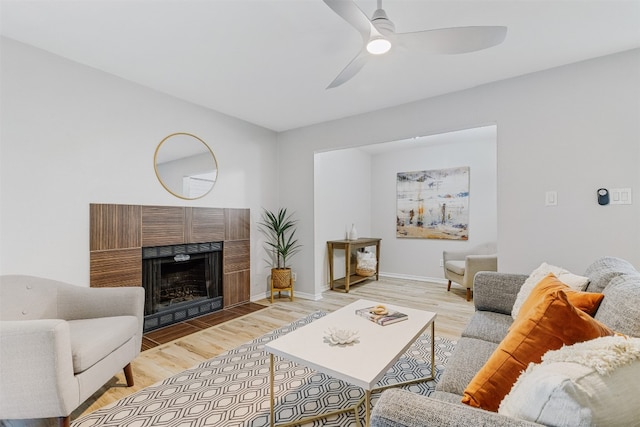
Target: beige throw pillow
{"type": "Point", "coordinates": [578, 283]}
{"type": "Point", "coordinates": [589, 383]}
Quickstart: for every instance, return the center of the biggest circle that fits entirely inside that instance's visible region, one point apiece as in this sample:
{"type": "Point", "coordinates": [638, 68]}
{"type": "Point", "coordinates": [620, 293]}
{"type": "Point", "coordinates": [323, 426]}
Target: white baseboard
{"type": "Point", "coordinates": [416, 278]}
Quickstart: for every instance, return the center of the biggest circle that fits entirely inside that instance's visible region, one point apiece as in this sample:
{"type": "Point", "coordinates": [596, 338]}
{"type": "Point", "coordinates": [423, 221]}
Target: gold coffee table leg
{"type": "Point", "coordinates": [271, 378]}
{"type": "Point", "coordinates": [367, 407]}
{"type": "Point", "coordinates": [433, 350]}
{"type": "Point", "coordinates": [419, 380]}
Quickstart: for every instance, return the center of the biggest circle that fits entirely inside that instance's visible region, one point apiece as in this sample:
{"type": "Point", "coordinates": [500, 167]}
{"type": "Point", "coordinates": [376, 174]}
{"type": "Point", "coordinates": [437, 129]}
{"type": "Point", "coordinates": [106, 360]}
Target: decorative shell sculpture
{"type": "Point", "coordinates": [337, 336]}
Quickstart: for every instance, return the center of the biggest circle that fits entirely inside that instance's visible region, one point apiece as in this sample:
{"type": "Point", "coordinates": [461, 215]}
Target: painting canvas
{"type": "Point", "coordinates": [433, 204]}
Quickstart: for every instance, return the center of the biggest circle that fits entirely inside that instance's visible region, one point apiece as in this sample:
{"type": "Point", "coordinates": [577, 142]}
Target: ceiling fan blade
{"type": "Point", "coordinates": [453, 40]}
{"type": "Point", "coordinates": [351, 13]}
{"type": "Point", "coordinates": [350, 70]}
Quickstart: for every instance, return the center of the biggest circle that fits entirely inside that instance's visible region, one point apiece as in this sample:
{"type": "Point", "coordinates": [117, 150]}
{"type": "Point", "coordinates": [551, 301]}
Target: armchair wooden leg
{"type": "Point", "coordinates": [449, 286]}
{"type": "Point", "coordinates": [468, 294]}
{"type": "Point", "coordinates": [64, 421]}
{"type": "Point", "coordinates": [128, 374]}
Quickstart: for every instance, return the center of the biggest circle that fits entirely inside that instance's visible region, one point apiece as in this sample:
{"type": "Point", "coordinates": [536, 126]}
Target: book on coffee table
{"type": "Point", "coordinates": [381, 319]}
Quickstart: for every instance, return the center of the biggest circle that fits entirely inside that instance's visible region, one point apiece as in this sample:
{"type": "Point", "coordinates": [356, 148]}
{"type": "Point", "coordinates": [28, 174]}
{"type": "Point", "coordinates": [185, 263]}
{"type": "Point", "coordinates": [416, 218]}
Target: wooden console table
{"type": "Point", "coordinates": [351, 278]}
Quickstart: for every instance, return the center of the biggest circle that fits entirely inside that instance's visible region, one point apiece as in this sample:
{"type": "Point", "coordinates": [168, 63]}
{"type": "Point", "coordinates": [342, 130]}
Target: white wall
{"type": "Point", "coordinates": [72, 135]}
{"type": "Point", "coordinates": [419, 258]}
{"type": "Point", "coordinates": [343, 195]}
{"type": "Point", "coordinates": [571, 129]}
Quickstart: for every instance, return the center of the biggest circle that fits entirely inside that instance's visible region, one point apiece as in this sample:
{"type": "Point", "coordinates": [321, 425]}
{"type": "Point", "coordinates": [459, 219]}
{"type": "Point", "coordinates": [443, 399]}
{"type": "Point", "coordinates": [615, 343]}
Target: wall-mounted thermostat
{"type": "Point", "coordinates": [603, 196]}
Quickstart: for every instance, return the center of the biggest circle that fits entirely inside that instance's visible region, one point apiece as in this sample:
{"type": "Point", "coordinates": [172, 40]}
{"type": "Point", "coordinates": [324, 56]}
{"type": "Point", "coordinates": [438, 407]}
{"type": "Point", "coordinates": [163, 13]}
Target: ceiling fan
{"type": "Point", "coordinates": [378, 36]}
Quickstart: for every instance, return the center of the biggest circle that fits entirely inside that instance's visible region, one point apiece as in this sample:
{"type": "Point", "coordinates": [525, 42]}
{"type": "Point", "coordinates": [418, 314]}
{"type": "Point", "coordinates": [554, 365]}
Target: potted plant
{"type": "Point", "coordinates": [280, 229]}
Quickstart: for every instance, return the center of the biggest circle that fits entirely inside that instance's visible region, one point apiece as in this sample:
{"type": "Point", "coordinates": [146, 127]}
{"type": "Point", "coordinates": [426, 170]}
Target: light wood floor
{"type": "Point", "coordinates": [160, 362]}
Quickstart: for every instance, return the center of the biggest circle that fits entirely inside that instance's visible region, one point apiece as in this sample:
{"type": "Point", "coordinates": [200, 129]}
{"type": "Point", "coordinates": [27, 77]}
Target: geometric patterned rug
{"type": "Point", "coordinates": [232, 389]}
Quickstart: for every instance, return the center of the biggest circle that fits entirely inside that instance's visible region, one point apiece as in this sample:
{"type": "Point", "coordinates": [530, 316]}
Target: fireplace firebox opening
{"type": "Point", "coordinates": [181, 282]}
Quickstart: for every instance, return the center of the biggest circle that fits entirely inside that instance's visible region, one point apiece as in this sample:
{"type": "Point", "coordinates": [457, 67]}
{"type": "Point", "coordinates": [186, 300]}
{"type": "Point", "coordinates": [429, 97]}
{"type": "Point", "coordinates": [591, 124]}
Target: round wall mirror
{"type": "Point", "coordinates": [185, 166]}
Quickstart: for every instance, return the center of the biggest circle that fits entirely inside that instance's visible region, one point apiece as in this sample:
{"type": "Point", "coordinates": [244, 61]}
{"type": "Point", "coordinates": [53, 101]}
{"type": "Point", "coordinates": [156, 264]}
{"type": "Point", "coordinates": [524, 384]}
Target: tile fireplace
{"type": "Point", "coordinates": [181, 282]}
{"type": "Point", "coordinates": [203, 253]}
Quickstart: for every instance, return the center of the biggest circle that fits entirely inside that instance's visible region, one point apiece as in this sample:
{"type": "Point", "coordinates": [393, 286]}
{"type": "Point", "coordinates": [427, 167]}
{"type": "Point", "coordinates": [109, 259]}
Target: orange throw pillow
{"type": "Point", "coordinates": [548, 325]}
{"type": "Point", "coordinates": [585, 301]}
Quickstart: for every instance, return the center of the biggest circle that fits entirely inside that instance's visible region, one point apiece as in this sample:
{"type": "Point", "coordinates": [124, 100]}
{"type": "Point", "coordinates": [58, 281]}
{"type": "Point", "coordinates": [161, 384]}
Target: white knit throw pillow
{"type": "Point", "coordinates": [594, 383]}
{"type": "Point", "coordinates": [578, 283]}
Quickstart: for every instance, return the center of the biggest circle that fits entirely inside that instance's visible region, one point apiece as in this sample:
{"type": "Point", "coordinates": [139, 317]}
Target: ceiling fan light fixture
{"type": "Point", "coordinates": [378, 46]}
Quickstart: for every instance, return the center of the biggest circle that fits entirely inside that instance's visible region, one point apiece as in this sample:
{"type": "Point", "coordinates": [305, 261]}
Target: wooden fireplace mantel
{"type": "Point", "coordinates": [119, 232]}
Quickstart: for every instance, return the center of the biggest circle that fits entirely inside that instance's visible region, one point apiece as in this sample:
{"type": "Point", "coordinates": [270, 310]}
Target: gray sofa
{"type": "Point", "coordinates": [494, 296]}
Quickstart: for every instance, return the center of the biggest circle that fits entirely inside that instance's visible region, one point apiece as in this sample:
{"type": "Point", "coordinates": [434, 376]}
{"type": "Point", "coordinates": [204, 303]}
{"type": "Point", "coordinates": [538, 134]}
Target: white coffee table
{"type": "Point", "coordinates": [362, 364]}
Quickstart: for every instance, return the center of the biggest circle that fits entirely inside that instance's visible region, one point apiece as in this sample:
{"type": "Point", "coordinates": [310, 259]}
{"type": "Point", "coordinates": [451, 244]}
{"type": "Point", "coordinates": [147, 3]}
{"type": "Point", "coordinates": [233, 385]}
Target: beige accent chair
{"type": "Point", "coordinates": [59, 343]}
{"type": "Point", "coordinates": [462, 266]}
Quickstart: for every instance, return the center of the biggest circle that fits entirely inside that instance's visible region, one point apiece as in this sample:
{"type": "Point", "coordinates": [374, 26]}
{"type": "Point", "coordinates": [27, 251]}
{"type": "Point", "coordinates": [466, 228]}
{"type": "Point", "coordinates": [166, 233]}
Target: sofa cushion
{"type": "Point", "coordinates": [93, 339]}
{"type": "Point", "coordinates": [578, 283]}
{"type": "Point", "coordinates": [589, 383]}
{"type": "Point", "coordinates": [401, 408]}
{"type": "Point", "coordinates": [585, 301]}
{"type": "Point", "coordinates": [456, 267]}
{"type": "Point", "coordinates": [488, 326]}
{"type": "Point", "coordinates": [619, 309]}
{"type": "Point", "coordinates": [552, 323]}
{"type": "Point", "coordinates": [495, 291]}
{"type": "Point", "coordinates": [26, 298]}
{"type": "Point", "coordinates": [603, 270]}
{"type": "Point", "coordinates": [467, 359]}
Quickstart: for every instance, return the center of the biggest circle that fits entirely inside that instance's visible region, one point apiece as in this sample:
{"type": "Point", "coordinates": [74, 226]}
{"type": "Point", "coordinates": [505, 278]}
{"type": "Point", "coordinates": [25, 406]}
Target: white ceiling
{"type": "Point", "coordinates": [269, 61]}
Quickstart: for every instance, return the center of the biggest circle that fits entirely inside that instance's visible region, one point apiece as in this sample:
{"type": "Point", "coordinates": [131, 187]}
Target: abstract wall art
{"type": "Point", "coordinates": [433, 204]}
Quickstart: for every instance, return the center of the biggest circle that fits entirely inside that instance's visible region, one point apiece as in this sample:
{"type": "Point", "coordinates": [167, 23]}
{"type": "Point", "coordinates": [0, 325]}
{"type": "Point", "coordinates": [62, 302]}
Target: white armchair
{"type": "Point", "coordinates": [59, 343]}
{"type": "Point", "coordinates": [461, 266]}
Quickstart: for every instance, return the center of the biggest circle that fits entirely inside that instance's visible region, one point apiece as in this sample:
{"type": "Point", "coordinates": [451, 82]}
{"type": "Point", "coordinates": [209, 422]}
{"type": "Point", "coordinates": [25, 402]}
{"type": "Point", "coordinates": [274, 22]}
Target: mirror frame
{"type": "Point", "coordinates": [155, 165]}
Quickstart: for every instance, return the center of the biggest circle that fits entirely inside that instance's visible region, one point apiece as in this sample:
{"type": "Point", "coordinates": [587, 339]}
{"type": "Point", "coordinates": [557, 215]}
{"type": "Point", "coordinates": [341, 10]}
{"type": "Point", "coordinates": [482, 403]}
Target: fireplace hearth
{"type": "Point", "coordinates": [181, 282]}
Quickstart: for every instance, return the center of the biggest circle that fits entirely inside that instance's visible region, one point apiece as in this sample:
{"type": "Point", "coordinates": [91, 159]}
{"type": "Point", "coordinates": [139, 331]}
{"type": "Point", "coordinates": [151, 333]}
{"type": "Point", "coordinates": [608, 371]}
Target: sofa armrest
{"type": "Point", "coordinates": [496, 292]}
{"type": "Point", "coordinates": [476, 263]}
{"type": "Point", "coordinates": [401, 408]}
{"type": "Point", "coordinates": [36, 366]}
{"type": "Point", "coordinates": [75, 302]}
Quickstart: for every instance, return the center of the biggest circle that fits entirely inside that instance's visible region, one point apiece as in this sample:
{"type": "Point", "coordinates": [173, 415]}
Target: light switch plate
{"type": "Point", "coordinates": [551, 198]}
{"type": "Point", "coordinates": [620, 196]}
